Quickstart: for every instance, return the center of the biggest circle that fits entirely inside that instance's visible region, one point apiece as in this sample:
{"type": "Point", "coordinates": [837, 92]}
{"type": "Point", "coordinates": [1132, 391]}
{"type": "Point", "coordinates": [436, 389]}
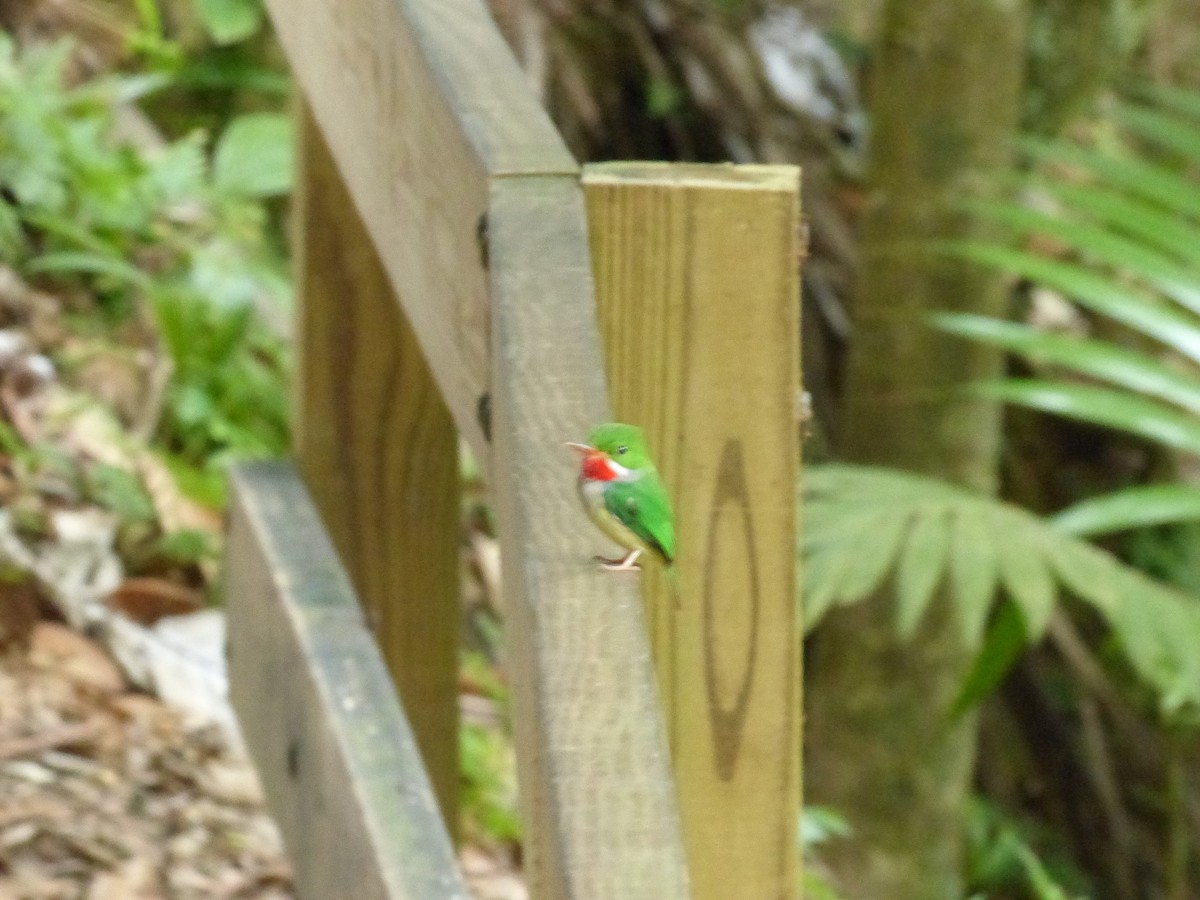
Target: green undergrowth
{"type": "Point", "coordinates": [165, 244]}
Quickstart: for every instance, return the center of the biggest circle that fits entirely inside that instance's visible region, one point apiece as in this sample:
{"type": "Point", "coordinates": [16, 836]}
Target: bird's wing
{"type": "Point", "coordinates": [644, 509]}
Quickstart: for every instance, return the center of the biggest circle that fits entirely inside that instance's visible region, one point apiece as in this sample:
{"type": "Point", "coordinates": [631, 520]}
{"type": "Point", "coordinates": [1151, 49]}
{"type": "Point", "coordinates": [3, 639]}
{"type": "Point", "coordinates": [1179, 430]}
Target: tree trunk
{"type": "Point", "coordinates": [946, 103]}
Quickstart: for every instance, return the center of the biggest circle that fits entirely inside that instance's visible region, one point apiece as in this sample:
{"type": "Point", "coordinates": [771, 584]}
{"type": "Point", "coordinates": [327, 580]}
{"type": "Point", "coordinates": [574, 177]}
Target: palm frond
{"type": "Point", "coordinates": [1124, 243]}
{"type": "Point", "coordinates": [1132, 507]}
{"type": "Point", "coordinates": [865, 525]}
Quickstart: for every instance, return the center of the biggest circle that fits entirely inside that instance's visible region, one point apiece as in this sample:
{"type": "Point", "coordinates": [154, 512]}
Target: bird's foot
{"type": "Point", "coordinates": [626, 563]}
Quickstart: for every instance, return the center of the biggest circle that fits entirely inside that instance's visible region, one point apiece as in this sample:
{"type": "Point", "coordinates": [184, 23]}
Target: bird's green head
{"type": "Point", "coordinates": [624, 444]}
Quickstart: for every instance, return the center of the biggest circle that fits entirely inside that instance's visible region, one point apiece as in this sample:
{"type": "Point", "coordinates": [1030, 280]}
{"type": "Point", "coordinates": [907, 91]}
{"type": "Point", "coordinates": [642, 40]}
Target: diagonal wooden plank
{"type": "Point", "coordinates": [452, 166]}
{"type": "Point", "coordinates": [338, 760]}
{"type": "Point", "coordinates": [422, 104]}
{"type": "Point", "coordinates": [595, 774]}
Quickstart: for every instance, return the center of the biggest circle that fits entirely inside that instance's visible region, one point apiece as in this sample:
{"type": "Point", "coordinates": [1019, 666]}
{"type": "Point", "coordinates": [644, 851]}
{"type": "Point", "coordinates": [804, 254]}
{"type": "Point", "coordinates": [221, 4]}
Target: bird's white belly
{"type": "Point", "coordinates": [592, 493]}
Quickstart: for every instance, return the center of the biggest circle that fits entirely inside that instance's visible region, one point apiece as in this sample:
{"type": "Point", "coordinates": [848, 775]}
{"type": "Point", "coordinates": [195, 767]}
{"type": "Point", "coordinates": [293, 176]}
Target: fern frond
{"type": "Point", "coordinates": [866, 524]}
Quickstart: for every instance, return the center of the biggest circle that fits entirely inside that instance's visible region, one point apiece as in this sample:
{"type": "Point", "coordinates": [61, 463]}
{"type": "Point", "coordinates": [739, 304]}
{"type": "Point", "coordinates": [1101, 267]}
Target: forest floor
{"type": "Point", "coordinates": [108, 791]}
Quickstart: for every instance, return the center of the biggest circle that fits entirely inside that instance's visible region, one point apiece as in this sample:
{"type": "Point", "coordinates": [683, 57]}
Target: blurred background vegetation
{"type": "Point", "coordinates": [1001, 338]}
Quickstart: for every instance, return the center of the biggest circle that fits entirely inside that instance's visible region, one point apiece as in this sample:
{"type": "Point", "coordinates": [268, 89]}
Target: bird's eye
{"type": "Point", "coordinates": [622, 450]}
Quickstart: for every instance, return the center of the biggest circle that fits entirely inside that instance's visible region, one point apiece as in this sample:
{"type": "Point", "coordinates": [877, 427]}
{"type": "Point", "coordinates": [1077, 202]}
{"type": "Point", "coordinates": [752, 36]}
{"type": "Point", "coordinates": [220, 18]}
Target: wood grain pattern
{"type": "Point", "coordinates": [453, 168]}
{"type": "Point", "coordinates": [379, 454]}
{"type": "Point", "coordinates": [422, 103]}
{"type": "Point", "coordinates": [338, 761]}
{"type": "Point", "coordinates": [698, 290]}
{"type": "Point", "coordinates": [597, 792]}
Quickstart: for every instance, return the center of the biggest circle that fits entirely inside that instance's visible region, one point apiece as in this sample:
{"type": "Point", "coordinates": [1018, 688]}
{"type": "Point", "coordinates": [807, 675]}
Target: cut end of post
{"type": "Point", "coordinates": [696, 175]}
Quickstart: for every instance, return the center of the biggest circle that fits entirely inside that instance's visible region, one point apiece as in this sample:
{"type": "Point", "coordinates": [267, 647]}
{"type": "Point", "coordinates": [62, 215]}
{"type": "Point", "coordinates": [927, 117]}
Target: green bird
{"type": "Point", "coordinates": [624, 495]}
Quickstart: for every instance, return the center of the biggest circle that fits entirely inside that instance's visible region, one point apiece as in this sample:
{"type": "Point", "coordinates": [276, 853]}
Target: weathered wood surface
{"type": "Point", "coordinates": [379, 455]}
{"type": "Point", "coordinates": [697, 272]}
{"type": "Point", "coordinates": [597, 793]}
{"type": "Point", "coordinates": [432, 126]}
{"type": "Point", "coordinates": [338, 761]}
{"type": "Point", "coordinates": [422, 103]}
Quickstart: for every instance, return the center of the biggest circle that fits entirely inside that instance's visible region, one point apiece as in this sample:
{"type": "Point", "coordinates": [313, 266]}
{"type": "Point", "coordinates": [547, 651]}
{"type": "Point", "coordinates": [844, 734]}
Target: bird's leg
{"type": "Point", "coordinates": [624, 564]}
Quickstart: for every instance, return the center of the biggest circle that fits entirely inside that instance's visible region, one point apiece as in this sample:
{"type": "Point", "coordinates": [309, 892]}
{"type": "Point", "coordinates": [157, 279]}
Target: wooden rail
{"type": "Point", "coordinates": [445, 284]}
{"type": "Point", "coordinates": [475, 209]}
{"type": "Point", "coordinates": [338, 761]}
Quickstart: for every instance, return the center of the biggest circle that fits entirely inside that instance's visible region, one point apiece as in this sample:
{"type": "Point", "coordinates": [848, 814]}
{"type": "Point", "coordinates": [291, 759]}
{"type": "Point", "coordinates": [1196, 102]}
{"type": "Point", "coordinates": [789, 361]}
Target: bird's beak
{"type": "Point", "coordinates": [582, 449]}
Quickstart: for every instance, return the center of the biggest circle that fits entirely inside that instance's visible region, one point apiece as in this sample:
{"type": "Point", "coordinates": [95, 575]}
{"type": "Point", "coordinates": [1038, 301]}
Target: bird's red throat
{"type": "Point", "coordinates": [596, 467]}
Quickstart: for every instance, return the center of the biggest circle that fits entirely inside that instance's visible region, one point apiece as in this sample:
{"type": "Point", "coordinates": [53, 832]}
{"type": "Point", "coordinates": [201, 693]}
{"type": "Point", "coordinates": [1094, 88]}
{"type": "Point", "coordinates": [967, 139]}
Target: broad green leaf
{"type": "Point", "coordinates": [1158, 628]}
{"type": "Point", "coordinates": [1025, 573]}
{"type": "Point", "coordinates": [71, 232]}
{"type": "Point", "coordinates": [254, 156]}
{"type": "Point", "coordinates": [1097, 292]}
{"type": "Point", "coordinates": [178, 172]}
{"type": "Point", "coordinates": [1103, 245]}
{"type": "Point", "coordinates": [1087, 572]}
{"type": "Point", "coordinates": [822, 572]}
{"type": "Point", "coordinates": [829, 523]}
{"type": "Point", "coordinates": [230, 21]}
{"type": "Point", "coordinates": [1138, 177]}
{"type": "Point", "coordinates": [1040, 880]}
{"type": "Point", "coordinates": [1169, 131]}
{"type": "Point", "coordinates": [89, 264]}
{"type": "Point", "coordinates": [1159, 637]}
{"type": "Point", "coordinates": [1181, 100]}
{"type": "Point", "coordinates": [228, 74]}
{"type": "Point", "coordinates": [876, 558]}
{"type": "Point", "coordinates": [920, 570]}
{"type": "Point", "coordinates": [1101, 406]}
{"type": "Point", "coordinates": [1132, 507]}
{"type": "Point", "coordinates": [831, 553]}
{"type": "Point", "coordinates": [1125, 368]}
{"type": "Point", "coordinates": [1149, 224]}
{"type": "Point", "coordinates": [1003, 643]}
{"type": "Point", "coordinates": [973, 570]}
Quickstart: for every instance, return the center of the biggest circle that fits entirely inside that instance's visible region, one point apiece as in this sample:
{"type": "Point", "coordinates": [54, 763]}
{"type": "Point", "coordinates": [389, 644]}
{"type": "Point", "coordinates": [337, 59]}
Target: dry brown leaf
{"type": "Point", "coordinates": [148, 599]}
{"type": "Point", "coordinates": [19, 612]}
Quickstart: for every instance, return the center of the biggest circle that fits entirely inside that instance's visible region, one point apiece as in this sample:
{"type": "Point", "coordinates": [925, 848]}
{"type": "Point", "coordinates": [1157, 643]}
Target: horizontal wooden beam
{"type": "Point", "coordinates": [422, 104]}
{"type": "Point", "coordinates": [598, 796]}
{"type": "Point", "coordinates": [337, 758]}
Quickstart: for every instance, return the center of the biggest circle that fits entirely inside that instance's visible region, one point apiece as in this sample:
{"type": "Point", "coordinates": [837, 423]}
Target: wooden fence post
{"type": "Point", "coordinates": [379, 454]}
{"type": "Point", "coordinates": [697, 281]}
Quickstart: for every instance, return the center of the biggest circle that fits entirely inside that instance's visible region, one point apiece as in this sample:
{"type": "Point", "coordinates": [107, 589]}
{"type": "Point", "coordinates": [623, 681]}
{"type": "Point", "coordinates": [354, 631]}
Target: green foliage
{"type": "Point", "coordinates": [1116, 231]}
{"type": "Point", "coordinates": [1123, 219]}
{"type": "Point", "coordinates": [487, 764]}
{"type": "Point", "coordinates": [818, 826]}
{"type": "Point", "coordinates": [254, 156]}
{"type": "Point", "coordinates": [1001, 860]}
{"type": "Point", "coordinates": [176, 229]}
{"type": "Point", "coordinates": [864, 525]}
{"type": "Point", "coordinates": [1004, 641]}
{"type": "Point", "coordinates": [229, 21]}
{"type": "Point", "coordinates": [122, 492]}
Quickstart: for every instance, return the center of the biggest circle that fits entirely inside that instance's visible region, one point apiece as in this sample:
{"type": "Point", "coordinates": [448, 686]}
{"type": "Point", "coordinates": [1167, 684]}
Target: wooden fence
{"type": "Point", "coordinates": [458, 274]}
